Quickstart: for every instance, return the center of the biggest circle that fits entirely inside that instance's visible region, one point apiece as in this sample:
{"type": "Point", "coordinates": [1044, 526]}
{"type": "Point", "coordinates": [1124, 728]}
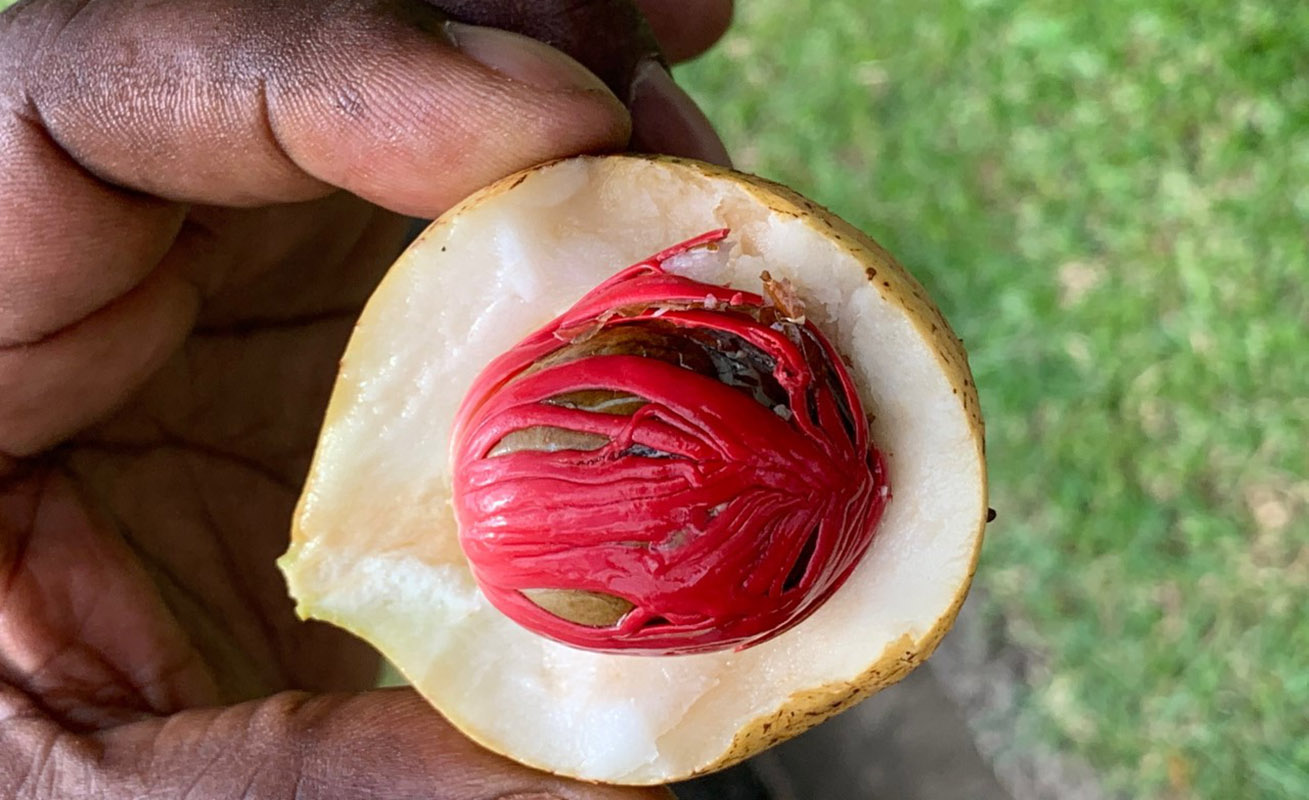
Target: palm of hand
{"type": "Point", "coordinates": [145, 582]}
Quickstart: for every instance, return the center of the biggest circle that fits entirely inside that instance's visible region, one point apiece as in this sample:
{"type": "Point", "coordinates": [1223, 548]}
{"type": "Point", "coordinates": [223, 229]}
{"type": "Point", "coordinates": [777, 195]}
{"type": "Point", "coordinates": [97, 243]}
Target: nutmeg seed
{"type": "Point", "coordinates": [593, 609]}
{"type": "Point", "coordinates": [694, 452]}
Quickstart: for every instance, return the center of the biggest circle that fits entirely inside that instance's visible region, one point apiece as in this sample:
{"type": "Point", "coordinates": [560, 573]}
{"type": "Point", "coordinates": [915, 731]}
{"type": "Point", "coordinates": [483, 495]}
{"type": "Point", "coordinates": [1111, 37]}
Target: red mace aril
{"type": "Point", "coordinates": [669, 467]}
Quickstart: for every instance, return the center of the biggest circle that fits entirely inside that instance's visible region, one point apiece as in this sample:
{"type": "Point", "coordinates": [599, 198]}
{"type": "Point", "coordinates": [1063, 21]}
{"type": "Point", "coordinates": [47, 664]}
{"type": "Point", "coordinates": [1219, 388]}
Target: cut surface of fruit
{"type": "Point", "coordinates": [375, 548]}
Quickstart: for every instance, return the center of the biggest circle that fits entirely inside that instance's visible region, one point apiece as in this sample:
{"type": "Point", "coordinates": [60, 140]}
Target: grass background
{"type": "Point", "coordinates": [1111, 203]}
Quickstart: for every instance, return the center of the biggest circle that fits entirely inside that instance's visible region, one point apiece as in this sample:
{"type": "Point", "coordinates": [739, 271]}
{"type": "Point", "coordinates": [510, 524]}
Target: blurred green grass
{"type": "Point", "coordinates": [1111, 203]}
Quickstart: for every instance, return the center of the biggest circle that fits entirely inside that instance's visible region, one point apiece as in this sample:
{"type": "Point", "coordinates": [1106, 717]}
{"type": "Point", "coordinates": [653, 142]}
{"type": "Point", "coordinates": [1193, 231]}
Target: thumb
{"type": "Point", "coordinates": [384, 744]}
{"type": "Point", "coordinates": [245, 102]}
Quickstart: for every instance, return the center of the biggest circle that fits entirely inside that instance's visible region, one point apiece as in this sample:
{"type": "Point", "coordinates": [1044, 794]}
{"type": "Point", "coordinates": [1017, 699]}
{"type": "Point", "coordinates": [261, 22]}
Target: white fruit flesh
{"type": "Point", "coordinates": [374, 548]}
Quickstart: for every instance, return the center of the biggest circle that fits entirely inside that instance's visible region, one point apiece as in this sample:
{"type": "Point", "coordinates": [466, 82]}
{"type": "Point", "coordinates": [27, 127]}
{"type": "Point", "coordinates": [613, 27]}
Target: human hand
{"type": "Point", "coordinates": [196, 197]}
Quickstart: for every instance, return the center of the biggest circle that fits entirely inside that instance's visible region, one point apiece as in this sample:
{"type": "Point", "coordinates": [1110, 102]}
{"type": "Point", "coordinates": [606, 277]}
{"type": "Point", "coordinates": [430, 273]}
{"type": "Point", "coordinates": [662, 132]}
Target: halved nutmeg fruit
{"type": "Point", "coordinates": [636, 466]}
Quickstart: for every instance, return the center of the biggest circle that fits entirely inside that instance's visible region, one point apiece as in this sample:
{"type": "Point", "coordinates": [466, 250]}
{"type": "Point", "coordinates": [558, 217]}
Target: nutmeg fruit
{"type": "Point", "coordinates": [586, 686]}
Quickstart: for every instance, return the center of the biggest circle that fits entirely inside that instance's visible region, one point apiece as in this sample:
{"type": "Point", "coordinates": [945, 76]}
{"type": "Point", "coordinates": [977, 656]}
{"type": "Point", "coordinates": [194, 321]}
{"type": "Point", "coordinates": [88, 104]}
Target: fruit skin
{"type": "Point", "coordinates": [807, 707]}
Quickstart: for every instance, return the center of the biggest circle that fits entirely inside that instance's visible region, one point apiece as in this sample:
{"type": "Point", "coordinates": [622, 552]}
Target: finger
{"type": "Point", "coordinates": [665, 119]}
{"type": "Point", "coordinates": [386, 743]}
{"type": "Point", "coordinates": [609, 36]}
{"type": "Point", "coordinates": [52, 388]}
{"type": "Point", "coordinates": [687, 28]}
{"type": "Point", "coordinates": [291, 267]}
{"type": "Point", "coordinates": [242, 102]}
{"type": "Point", "coordinates": [614, 39]}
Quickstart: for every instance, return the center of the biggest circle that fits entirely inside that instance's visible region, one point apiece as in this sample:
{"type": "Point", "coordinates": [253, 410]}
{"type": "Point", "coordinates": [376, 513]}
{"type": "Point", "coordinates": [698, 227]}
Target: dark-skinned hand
{"type": "Point", "coordinates": [196, 197]}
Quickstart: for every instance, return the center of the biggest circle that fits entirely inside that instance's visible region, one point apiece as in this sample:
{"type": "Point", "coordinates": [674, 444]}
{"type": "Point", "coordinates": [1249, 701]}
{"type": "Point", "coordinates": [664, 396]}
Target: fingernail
{"type": "Point", "coordinates": [666, 120]}
{"type": "Point", "coordinates": [523, 59]}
